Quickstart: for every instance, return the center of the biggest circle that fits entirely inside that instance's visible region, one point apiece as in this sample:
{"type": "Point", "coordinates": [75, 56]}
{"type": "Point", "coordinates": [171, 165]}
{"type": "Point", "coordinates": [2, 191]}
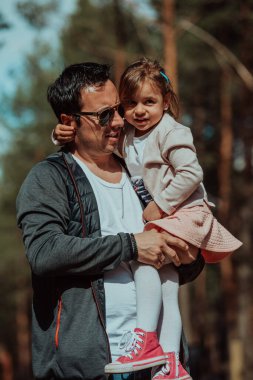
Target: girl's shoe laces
{"type": "Point", "coordinates": [126, 341]}
{"type": "Point", "coordinates": [130, 343]}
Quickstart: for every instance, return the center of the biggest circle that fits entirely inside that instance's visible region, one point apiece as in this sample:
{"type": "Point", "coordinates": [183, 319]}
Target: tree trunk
{"type": "Point", "coordinates": [121, 38]}
{"type": "Point", "coordinates": [226, 146]}
{"type": "Point", "coordinates": [23, 336]}
{"type": "Point", "coordinates": [6, 366]}
{"type": "Point", "coordinates": [170, 49]}
{"type": "Point", "coordinates": [245, 274]}
{"type": "Point", "coordinates": [228, 283]}
{"type": "Point", "coordinates": [119, 65]}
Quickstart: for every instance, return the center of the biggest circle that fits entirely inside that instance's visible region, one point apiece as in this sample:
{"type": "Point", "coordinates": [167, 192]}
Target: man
{"type": "Point", "coordinates": [82, 223]}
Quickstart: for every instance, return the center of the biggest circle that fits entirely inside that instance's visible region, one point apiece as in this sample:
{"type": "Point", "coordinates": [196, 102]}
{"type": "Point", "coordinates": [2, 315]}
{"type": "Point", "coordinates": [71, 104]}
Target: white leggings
{"type": "Point", "coordinates": [157, 303]}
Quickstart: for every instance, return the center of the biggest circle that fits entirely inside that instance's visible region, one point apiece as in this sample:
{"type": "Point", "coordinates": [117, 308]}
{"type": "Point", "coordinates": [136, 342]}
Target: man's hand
{"type": "Point", "coordinates": [156, 248]}
{"type": "Point", "coordinates": [152, 212]}
{"type": "Point", "coordinates": [189, 256]}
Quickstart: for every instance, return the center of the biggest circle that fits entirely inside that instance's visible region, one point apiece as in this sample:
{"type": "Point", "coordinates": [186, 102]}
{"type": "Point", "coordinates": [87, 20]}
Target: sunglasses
{"type": "Point", "coordinates": [105, 116]}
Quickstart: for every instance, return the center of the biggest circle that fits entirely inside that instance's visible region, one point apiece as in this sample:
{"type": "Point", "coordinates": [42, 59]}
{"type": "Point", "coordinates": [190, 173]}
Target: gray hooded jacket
{"type": "Point", "coordinates": [59, 218]}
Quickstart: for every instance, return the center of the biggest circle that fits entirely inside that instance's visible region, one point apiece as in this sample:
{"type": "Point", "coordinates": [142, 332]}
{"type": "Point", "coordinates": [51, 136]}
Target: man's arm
{"type": "Point", "coordinates": [43, 214]}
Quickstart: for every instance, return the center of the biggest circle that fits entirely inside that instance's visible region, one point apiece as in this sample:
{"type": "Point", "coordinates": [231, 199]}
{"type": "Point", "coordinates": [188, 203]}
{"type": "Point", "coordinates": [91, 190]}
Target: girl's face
{"type": "Point", "coordinates": [145, 108]}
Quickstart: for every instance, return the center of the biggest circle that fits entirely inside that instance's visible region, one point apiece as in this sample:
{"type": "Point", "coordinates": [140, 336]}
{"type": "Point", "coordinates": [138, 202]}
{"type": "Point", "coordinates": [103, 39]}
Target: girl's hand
{"type": "Point", "coordinates": [64, 133]}
{"type": "Point", "coordinates": [152, 212]}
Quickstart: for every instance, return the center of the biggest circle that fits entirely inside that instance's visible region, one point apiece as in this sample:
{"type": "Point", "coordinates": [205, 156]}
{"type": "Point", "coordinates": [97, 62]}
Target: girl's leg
{"type": "Point", "coordinates": [145, 350]}
{"type": "Point", "coordinates": [148, 296]}
{"type": "Point", "coordinates": [170, 327]}
{"type": "Point", "coordinates": [170, 323]}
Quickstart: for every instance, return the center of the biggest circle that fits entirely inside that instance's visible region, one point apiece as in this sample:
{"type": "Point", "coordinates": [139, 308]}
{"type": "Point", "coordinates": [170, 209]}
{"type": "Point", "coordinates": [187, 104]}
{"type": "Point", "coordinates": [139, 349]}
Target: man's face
{"type": "Point", "coordinates": [91, 138]}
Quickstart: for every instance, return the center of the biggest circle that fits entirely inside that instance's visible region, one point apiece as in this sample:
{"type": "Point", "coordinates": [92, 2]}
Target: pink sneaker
{"type": "Point", "coordinates": [145, 352]}
{"type": "Point", "coordinates": [172, 370]}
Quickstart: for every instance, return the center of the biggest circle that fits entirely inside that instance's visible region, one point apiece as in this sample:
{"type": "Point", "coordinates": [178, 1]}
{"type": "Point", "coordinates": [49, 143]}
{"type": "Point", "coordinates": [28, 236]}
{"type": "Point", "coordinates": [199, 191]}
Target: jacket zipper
{"type": "Point", "coordinates": [102, 322]}
{"type": "Point", "coordinates": [58, 322]}
{"type": "Point", "coordinates": [84, 234]}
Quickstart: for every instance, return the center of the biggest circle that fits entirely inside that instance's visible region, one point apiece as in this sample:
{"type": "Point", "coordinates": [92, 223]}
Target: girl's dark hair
{"type": "Point", "coordinates": [143, 69]}
{"type": "Point", "coordinates": [64, 95]}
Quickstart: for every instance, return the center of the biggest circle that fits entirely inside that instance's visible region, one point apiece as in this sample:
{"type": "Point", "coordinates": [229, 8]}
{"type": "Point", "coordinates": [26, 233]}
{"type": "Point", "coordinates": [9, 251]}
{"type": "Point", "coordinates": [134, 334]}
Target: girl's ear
{"type": "Point", "coordinates": [66, 119]}
{"type": "Point", "coordinates": [166, 102]}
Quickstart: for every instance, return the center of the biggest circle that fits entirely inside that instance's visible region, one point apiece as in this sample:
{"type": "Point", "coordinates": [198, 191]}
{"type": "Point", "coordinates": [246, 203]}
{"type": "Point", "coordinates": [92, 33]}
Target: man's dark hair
{"type": "Point", "coordinates": [64, 95]}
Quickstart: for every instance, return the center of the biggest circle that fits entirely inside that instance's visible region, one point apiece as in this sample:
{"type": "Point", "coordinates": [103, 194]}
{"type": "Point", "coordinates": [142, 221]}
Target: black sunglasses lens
{"type": "Point", "coordinates": [106, 116]}
{"type": "Point", "coordinates": [121, 111]}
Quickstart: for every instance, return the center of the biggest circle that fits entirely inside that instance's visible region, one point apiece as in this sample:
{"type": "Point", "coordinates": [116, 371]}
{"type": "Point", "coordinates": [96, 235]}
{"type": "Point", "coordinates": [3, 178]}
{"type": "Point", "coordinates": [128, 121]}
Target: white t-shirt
{"type": "Point", "coordinates": [119, 211]}
{"type": "Point", "coordinates": [133, 155]}
{"type": "Point", "coordinates": [134, 149]}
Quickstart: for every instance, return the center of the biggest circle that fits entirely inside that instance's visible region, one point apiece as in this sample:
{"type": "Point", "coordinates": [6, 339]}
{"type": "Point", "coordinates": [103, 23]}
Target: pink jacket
{"type": "Point", "coordinates": [171, 171]}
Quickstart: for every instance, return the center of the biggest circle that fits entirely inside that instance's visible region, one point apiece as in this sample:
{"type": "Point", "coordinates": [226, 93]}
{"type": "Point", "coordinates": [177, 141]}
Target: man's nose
{"type": "Point", "coordinates": [117, 121]}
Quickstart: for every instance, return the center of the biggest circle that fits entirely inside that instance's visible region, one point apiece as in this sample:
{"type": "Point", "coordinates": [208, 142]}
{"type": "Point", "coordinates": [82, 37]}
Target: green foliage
{"type": "Point", "coordinates": [32, 122]}
{"type": "Point", "coordinates": [3, 23]}
{"type": "Point", "coordinates": [98, 32]}
{"type": "Point", "coordinates": [3, 26]}
{"type": "Point", "coordinates": [37, 13]}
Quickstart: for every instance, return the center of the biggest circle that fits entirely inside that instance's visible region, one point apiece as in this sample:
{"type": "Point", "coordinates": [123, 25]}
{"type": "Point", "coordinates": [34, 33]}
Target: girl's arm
{"type": "Point", "coordinates": [180, 154]}
{"type": "Point", "coordinates": [152, 212]}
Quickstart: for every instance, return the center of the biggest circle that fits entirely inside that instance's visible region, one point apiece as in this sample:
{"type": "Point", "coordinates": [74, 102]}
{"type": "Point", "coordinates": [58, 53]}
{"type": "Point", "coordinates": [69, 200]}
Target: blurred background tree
{"type": "Point", "coordinates": [215, 102]}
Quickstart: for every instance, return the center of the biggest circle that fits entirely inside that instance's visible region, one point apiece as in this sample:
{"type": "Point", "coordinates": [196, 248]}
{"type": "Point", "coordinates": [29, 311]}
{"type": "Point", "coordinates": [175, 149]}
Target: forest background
{"type": "Point", "coordinates": [206, 48]}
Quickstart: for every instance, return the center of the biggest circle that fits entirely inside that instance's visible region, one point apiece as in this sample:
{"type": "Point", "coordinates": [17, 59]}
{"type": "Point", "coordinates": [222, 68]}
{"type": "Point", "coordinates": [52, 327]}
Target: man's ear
{"type": "Point", "coordinates": [66, 119]}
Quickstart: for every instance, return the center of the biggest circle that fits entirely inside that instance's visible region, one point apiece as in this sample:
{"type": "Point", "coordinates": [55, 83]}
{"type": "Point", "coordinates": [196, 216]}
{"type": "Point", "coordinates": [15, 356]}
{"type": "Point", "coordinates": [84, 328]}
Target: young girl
{"type": "Point", "coordinates": [161, 158]}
